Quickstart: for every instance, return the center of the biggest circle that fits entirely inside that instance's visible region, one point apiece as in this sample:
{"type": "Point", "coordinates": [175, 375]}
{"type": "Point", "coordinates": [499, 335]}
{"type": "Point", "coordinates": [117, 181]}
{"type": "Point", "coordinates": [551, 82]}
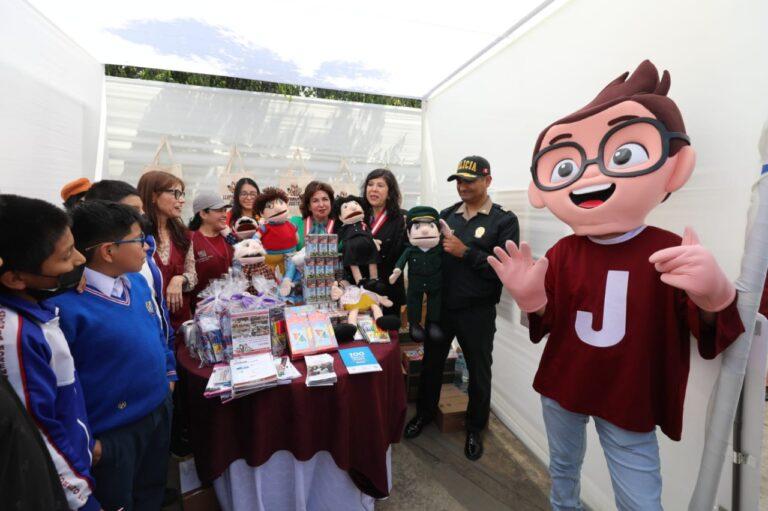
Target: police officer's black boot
{"type": "Point", "coordinates": [415, 425]}
{"type": "Point", "coordinates": [473, 448]}
{"type": "Point", "coordinates": [417, 333]}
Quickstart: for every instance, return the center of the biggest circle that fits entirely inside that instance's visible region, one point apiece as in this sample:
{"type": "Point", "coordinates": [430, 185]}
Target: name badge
{"type": "Point", "coordinates": [479, 232]}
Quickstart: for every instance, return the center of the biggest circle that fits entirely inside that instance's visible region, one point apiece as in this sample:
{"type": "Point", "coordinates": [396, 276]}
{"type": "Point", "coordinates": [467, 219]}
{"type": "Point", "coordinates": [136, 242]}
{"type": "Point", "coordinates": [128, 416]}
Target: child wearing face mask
{"type": "Point", "coordinates": [122, 357]}
{"type": "Point", "coordinates": [39, 261]}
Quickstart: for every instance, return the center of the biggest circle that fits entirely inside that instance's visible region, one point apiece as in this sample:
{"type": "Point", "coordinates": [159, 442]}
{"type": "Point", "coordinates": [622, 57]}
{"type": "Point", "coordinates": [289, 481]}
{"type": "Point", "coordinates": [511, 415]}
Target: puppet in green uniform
{"type": "Point", "coordinates": [423, 257]}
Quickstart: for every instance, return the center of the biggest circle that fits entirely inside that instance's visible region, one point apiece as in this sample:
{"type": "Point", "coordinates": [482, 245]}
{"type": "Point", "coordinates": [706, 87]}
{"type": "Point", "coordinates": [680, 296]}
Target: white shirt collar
{"type": "Point", "coordinates": [619, 239]}
{"type": "Point", "coordinates": [110, 286]}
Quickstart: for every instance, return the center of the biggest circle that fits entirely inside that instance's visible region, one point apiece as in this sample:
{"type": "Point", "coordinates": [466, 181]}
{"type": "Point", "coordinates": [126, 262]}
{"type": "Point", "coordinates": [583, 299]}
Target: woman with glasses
{"type": "Point", "coordinates": [243, 200]}
{"type": "Point", "coordinates": [163, 197]}
{"type": "Point", "coordinates": [212, 249]}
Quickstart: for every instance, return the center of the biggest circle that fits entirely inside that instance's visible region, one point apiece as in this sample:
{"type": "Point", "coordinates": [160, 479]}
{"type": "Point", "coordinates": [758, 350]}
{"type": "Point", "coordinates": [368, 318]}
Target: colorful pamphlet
{"type": "Point", "coordinates": [220, 381]}
{"type": "Point", "coordinates": [252, 372]}
{"type": "Point", "coordinates": [370, 330]}
{"type": "Point", "coordinates": [286, 372]}
{"type": "Point", "coordinates": [320, 370]}
{"type": "Point", "coordinates": [309, 331]}
{"type": "Point", "coordinates": [359, 360]}
{"type": "Point", "coordinates": [250, 332]}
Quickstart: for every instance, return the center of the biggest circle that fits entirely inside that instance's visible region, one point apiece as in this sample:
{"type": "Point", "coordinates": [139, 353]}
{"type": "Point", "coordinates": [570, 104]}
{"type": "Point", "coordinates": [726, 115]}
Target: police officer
{"type": "Point", "coordinates": [470, 293]}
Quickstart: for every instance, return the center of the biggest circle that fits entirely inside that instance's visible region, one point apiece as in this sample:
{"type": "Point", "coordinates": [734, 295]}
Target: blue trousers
{"type": "Point", "coordinates": [633, 460]}
{"type": "Point", "coordinates": [133, 467]}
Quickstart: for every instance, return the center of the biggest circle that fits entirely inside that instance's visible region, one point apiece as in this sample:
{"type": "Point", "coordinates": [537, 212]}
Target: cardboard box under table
{"type": "Point", "coordinates": [452, 409]}
{"type": "Point", "coordinates": [413, 354]}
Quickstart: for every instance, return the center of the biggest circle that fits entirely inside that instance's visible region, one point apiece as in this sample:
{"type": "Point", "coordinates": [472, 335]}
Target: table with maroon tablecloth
{"type": "Point", "coordinates": [356, 420]}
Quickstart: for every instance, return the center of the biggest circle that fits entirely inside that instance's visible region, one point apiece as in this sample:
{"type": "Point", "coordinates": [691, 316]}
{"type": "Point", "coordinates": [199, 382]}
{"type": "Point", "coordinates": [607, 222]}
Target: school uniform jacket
{"type": "Point", "coordinates": [35, 358]}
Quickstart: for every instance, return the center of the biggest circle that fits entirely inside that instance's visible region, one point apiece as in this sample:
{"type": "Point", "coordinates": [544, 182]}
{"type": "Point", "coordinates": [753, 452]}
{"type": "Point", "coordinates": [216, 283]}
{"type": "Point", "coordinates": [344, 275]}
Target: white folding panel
{"type": "Point", "coordinates": [50, 105]}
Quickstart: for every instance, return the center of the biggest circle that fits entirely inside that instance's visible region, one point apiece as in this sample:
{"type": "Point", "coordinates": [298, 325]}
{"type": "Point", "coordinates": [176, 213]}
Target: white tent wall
{"type": "Point", "coordinates": [202, 123]}
{"type": "Point", "coordinates": [50, 106]}
{"type": "Point", "coordinates": [716, 52]}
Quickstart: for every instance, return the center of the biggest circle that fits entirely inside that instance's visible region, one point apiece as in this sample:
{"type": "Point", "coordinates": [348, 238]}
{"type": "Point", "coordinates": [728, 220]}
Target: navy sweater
{"type": "Point", "coordinates": [120, 352]}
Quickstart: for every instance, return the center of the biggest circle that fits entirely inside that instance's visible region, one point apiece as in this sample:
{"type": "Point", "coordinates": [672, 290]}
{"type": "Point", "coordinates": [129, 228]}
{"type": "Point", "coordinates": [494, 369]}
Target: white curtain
{"type": "Point", "coordinates": [50, 105]}
{"type": "Point", "coordinates": [202, 123]}
{"type": "Point", "coordinates": [715, 52]}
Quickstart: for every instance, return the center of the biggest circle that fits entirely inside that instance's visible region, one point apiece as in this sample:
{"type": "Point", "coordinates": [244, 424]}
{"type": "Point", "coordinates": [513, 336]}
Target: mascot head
{"type": "Point", "coordinates": [603, 168]}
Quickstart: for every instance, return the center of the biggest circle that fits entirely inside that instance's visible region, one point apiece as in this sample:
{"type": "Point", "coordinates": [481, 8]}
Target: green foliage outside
{"type": "Point", "coordinates": [226, 82]}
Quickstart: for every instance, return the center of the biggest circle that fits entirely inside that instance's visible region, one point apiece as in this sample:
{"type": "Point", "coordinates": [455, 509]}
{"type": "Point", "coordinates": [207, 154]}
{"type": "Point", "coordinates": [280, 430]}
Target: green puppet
{"type": "Point", "coordinates": [423, 257]}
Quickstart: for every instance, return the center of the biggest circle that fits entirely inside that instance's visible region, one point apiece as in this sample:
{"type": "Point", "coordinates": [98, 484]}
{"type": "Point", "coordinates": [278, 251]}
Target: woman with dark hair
{"type": "Point", "coordinates": [382, 200]}
{"type": "Point", "coordinates": [316, 205]}
{"type": "Point", "coordinates": [163, 197]}
{"type": "Point", "coordinates": [243, 200]}
{"type": "Point", "coordinates": [210, 245]}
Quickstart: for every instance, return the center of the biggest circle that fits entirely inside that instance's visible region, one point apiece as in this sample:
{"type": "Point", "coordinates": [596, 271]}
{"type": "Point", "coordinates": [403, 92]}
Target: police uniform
{"type": "Point", "coordinates": [470, 292]}
{"type": "Point", "coordinates": [424, 271]}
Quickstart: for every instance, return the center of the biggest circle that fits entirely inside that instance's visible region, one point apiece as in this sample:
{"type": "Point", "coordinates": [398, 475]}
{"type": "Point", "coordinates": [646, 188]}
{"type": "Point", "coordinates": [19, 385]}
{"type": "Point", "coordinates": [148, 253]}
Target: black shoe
{"type": "Point", "coordinates": [414, 427]}
{"type": "Point", "coordinates": [435, 333]}
{"type": "Point", "coordinates": [344, 332]}
{"type": "Point", "coordinates": [417, 333]}
{"type": "Point", "coordinates": [374, 285]}
{"type": "Point", "coordinates": [473, 448]}
{"type": "Point", "coordinates": [388, 323]}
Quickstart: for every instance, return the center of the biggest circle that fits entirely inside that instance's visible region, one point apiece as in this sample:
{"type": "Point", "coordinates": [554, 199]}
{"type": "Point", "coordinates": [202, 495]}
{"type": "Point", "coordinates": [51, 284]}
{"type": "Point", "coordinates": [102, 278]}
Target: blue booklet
{"type": "Point", "coordinates": [359, 360]}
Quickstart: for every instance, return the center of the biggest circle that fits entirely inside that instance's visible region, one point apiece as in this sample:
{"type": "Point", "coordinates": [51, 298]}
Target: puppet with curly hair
{"type": "Point", "coordinates": [278, 236]}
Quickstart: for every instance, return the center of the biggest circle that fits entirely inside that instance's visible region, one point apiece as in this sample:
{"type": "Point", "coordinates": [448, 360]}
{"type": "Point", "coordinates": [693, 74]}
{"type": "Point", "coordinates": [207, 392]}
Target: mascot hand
{"type": "Point", "coordinates": [226, 231]}
{"type": "Point", "coordinates": [692, 268]}
{"type": "Point", "coordinates": [523, 278]}
{"type": "Point", "coordinates": [395, 275]}
{"type": "Point", "coordinates": [285, 287]}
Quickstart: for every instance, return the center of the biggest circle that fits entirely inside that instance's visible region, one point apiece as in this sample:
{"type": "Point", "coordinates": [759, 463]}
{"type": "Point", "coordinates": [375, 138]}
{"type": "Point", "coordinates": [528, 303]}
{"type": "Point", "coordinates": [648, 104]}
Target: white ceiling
{"type": "Point", "coordinates": [397, 47]}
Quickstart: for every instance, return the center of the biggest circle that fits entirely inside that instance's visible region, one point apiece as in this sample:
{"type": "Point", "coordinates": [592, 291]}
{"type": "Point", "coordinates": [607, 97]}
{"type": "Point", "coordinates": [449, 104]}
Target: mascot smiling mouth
{"type": "Point", "coordinates": [592, 196]}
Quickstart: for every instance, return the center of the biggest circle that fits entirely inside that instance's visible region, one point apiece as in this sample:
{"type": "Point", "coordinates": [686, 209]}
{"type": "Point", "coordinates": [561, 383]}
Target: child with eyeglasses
{"type": "Point", "coordinates": [125, 365]}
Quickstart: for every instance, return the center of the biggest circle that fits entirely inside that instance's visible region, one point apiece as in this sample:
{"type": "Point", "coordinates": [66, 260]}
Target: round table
{"type": "Point", "coordinates": [355, 421]}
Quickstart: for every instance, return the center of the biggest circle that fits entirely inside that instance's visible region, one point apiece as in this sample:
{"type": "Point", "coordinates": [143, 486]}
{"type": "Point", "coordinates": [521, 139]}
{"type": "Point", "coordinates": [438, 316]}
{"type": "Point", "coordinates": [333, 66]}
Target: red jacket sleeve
{"type": "Point", "coordinates": [715, 338]}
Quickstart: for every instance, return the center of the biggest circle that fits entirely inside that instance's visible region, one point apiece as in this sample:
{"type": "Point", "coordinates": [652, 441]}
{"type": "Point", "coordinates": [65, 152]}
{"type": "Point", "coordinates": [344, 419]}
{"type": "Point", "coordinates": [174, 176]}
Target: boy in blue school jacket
{"type": "Point", "coordinates": [119, 191]}
{"type": "Point", "coordinates": [40, 260]}
{"type": "Point", "coordinates": [125, 365]}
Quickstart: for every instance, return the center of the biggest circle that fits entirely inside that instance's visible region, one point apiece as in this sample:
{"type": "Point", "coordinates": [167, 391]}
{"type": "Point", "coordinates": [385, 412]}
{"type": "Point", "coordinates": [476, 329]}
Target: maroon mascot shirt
{"type": "Point", "coordinates": [619, 338]}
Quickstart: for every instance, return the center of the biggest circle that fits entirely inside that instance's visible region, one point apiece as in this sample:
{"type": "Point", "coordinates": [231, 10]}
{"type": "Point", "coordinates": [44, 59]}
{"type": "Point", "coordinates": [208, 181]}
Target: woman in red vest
{"type": "Point", "coordinates": [212, 250]}
{"type": "Point", "coordinates": [163, 197]}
